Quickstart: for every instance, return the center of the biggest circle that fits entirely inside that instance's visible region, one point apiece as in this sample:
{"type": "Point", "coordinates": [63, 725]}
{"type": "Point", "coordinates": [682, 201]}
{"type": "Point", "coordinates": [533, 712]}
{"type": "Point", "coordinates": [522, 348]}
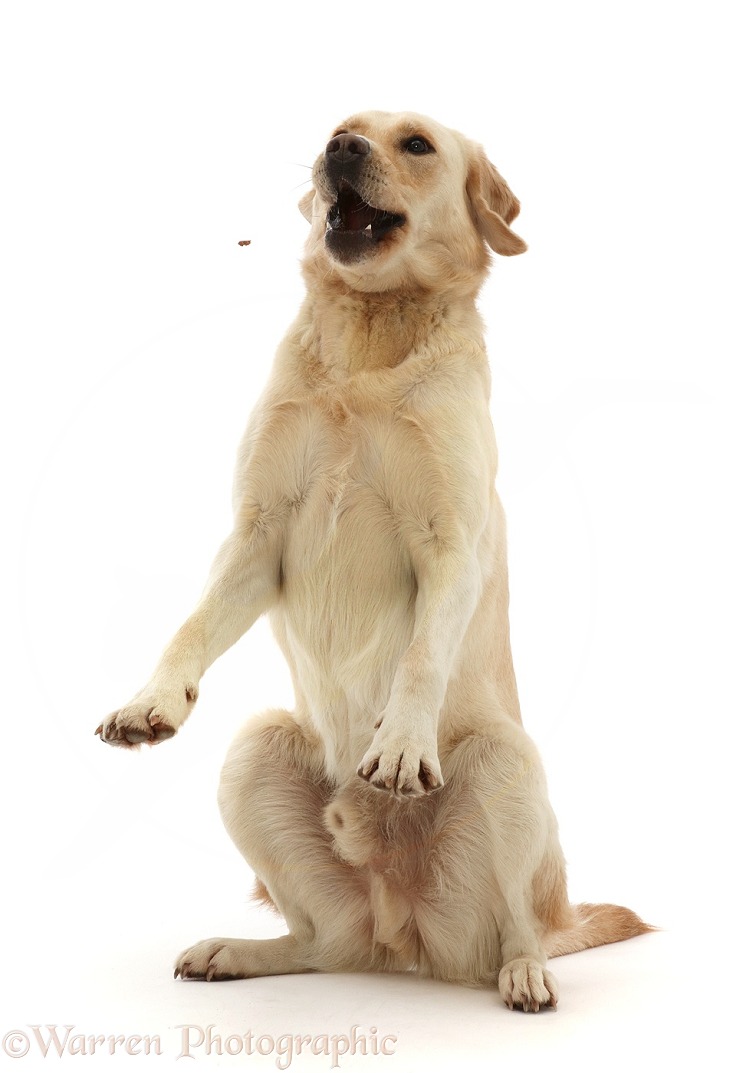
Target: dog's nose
{"type": "Point", "coordinates": [347, 149]}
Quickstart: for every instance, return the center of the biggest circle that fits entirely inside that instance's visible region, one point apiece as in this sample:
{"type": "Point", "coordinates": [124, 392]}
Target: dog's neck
{"type": "Point", "coordinates": [362, 332]}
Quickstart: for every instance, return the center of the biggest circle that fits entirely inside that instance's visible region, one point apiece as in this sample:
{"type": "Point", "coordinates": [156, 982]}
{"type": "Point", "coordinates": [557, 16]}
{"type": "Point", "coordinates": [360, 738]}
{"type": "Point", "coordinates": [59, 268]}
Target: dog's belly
{"type": "Point", "coordinates": [346, 612]}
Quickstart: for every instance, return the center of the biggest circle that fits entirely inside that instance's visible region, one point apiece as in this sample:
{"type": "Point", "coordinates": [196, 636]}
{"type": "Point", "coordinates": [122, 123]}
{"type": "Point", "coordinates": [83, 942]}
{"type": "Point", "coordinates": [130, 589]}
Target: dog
{"type": "Point", "coordinates": [398, 819]}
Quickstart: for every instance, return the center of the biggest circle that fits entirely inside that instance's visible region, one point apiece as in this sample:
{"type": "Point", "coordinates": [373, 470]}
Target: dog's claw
{"type": "Point", "coordinates": [367, 772]}
{"type": "Point", "coordinates": [428, 778]}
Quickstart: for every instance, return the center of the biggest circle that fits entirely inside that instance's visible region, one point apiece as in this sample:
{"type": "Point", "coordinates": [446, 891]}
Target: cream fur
{"type": "Point", "coordinates": [398, 818]}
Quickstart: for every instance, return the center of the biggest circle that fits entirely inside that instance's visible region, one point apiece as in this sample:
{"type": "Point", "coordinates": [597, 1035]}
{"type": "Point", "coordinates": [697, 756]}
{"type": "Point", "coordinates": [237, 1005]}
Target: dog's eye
{"type": "Point", "coordinates": [418, 146]}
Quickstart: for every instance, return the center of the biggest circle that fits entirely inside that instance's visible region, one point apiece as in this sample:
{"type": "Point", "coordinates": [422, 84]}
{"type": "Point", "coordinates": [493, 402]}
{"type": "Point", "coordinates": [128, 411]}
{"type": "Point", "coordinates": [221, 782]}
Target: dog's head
{"type": "Point", "coordinates": [400, 202]}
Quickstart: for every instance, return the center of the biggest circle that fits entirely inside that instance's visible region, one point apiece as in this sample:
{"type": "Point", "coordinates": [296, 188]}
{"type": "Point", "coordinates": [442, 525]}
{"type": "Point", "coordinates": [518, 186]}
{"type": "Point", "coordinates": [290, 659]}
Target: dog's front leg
{"type": "Point", "coordinates": [403, 757]}
{"type": "Point", "coordinates": [242, 584]}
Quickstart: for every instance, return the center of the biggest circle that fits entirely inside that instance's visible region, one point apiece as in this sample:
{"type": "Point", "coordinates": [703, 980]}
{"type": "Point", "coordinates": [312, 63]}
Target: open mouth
{"type": "Point", "coordinates": [353, 226]}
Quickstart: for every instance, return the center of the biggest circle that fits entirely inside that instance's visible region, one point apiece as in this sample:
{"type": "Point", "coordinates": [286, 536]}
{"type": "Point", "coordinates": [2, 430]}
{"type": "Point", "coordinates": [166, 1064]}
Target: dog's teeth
{"type": "Point", "coordinates": [368, 228]}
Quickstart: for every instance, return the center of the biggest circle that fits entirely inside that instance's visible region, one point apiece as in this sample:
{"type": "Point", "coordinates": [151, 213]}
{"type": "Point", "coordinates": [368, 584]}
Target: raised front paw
{"type": "Point", "coordinates": [525, 985]}
{"type": "Point", "coordinates": [148, 719]}
{"type": "Point", "coordinates": [401, 765]}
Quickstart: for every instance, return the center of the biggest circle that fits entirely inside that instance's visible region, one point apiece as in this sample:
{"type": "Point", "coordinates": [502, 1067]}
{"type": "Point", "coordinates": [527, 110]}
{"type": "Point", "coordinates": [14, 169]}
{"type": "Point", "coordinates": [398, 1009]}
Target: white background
{"type": "Point", "coordinates": [141, 141]}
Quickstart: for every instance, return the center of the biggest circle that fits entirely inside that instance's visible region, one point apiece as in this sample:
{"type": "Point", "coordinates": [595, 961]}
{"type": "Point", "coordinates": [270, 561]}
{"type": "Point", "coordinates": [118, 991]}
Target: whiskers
{"type": "Point", "coordinates": [308, 167]}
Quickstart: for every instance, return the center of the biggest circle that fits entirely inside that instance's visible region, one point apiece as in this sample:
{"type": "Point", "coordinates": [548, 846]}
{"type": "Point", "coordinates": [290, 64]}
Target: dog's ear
{"type": "Point", "coordinates": [306, 205]}
{"type": "Point", "coordinates": [493, 205]}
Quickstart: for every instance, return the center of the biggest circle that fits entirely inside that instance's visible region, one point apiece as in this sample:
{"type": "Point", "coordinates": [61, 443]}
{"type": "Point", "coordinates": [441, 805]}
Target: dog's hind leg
{"type": "Point", "coordinates": [272, 796]}
{"type": "Point", "coordinates": [496, 870]}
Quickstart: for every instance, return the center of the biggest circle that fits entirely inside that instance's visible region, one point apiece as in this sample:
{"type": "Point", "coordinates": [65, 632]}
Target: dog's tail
{"type": "Point", "coordinates": [595, 925]}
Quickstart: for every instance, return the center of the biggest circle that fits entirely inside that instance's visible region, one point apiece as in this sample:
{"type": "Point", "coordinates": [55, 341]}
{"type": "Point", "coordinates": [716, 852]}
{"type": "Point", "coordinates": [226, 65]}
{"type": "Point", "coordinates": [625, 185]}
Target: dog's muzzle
{"type": "Point", "coordinates": [354, 227]}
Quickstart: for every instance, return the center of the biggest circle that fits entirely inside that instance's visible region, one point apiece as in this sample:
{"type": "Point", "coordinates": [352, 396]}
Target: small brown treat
{"type": "Point", "coordinates": [245, 241]}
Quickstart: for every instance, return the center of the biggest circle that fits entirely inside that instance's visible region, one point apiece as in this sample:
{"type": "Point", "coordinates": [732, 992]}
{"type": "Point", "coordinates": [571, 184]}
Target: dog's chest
{"type": "Point", "coordinates": [341, 477]}
{"type": "Point", "coordinates": [349, 481]}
